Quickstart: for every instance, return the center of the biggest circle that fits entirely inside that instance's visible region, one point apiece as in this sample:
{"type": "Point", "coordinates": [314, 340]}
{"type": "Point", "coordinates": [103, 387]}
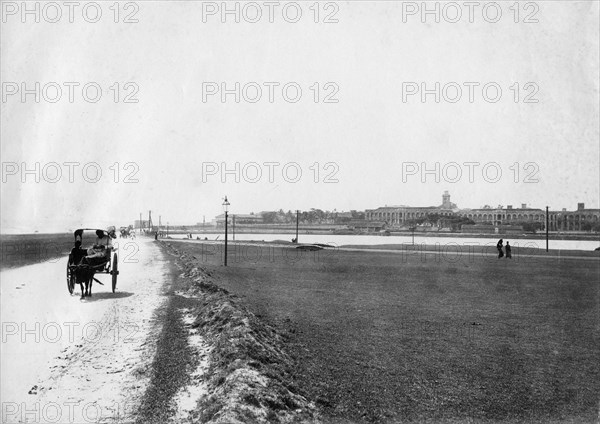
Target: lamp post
{"type": "Point", "coordinates": [226, 208]}
{"type": "Point", "coordinates": [297, 220]}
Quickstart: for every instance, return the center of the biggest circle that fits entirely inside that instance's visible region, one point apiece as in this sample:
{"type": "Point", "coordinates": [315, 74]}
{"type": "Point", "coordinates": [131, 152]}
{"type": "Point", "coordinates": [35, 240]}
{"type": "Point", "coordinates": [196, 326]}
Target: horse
{"type": "Point", "coordinates": [84, 276]}
{"type": "Point", "coordinates": [86, 268]}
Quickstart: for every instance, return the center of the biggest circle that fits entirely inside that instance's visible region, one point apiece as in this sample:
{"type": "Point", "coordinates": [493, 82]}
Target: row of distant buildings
{"type": "Point", "coordinates": [398, 216]}
{"type": "Point", "coordinates": [486, 219]}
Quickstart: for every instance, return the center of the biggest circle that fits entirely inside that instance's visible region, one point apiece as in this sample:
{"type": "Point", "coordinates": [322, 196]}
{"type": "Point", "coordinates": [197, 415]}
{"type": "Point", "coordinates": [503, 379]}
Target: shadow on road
{"type": "Point", "coordinates": [106, 296]}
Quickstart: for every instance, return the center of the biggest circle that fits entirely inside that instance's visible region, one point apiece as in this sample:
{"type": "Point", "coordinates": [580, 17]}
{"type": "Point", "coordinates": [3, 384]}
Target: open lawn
{"type": "Point", "coordinates": [379, 339]}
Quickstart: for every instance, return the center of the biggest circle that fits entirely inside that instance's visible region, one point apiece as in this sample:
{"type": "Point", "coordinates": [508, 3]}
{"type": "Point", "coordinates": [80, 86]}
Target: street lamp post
{"type": "Point", "coordinates": [297, 220]}
{"type": "Point", "coordinates": [226, 208]}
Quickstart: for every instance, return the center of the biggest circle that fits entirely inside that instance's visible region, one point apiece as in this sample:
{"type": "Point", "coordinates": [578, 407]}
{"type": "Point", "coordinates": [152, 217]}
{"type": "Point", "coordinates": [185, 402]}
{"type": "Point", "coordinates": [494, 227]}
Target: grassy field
{"type": "Point", "coordinates": [380, 339]}
{"type": "Point", "coordinates": [27, 249]}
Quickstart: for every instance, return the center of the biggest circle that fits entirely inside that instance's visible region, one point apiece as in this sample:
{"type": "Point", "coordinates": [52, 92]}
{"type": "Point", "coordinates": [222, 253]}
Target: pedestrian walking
{"type": "Point", "coordinates": [499, 247]}
{"type": "Point", "coordinates": [508, 251]}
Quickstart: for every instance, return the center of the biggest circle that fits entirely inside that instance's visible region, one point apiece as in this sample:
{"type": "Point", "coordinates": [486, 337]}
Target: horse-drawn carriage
{"type": "Point", "coordinates": [127, 232]}
{"type": "Point", "coordinates": [84, 263]}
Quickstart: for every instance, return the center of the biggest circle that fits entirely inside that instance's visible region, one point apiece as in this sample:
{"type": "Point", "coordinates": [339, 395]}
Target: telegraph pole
{"type": "Point", "coordinates": [226, 208]}
{"type": "Point", "coordinates": [547, 218]}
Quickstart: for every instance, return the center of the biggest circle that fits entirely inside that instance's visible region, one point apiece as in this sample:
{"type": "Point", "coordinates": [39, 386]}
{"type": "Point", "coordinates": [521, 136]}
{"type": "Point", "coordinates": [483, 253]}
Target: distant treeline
{"type": "Point", "coordinates": [313, 216]}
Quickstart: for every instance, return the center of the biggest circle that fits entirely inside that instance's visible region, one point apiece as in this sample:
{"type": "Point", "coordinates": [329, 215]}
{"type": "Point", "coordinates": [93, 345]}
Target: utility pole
{"type": "Point", "coordinates": [225, 238]}
{"type": "Point", "coordinates": [226, 208]}
{"type": "Point", "coordinates": [297, 220]}
{"type": "Point", "coordinates": [233, 222]}
{"type": "Point", "coordinates": [547, 218]}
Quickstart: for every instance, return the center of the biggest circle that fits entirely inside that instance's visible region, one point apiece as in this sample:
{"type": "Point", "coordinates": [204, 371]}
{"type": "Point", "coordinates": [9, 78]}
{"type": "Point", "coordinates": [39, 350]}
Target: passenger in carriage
{"type": "Point", "coordinates": [101, 250]}
{"type": "Point", "coordinates": [96, 251]}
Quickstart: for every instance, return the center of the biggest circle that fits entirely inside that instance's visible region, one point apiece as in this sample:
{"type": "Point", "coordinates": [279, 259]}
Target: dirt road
{"type": "Point", "coordinates": [67, 360]}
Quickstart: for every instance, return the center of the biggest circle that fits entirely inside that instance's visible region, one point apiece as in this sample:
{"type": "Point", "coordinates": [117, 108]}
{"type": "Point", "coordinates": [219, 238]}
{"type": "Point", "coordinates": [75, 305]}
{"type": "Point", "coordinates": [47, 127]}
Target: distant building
{"type": "Point", "coordinates": [399, 215]}
{"type": "Point", "coordinates": [343, 216]}
{"type": "Point", "coordinates": [499, 216]}
{"type": "Point", "coordinates": [575, 220]}
{"type": "Point", "coordinates": [563, 220]}
{"type": "Point", "coordinates": [366, 226]}
{"type": "Point", "coordinates": [557, 220]}
{"type": "Point", "coordinates": [238, 218]}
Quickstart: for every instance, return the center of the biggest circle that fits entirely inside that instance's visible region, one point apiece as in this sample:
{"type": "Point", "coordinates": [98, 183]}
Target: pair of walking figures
{"type": "Point", "coordinates": [501, 252]}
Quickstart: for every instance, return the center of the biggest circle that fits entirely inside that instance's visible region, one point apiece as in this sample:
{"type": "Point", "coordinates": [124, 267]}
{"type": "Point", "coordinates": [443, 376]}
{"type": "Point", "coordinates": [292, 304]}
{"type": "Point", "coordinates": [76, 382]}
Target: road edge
{"type": "Point", "coordinates": [249, 377]}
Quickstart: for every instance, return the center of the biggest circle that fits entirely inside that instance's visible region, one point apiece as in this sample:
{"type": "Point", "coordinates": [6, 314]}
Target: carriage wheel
{"type": "Point", "coordinates": [70, 277]}
{"type": "Point", "coordinates": [114, 272]}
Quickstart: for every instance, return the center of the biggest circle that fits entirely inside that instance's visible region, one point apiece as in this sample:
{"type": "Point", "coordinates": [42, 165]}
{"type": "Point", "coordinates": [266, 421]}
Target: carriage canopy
{"type": "Point", "coordinates": [102, 236]}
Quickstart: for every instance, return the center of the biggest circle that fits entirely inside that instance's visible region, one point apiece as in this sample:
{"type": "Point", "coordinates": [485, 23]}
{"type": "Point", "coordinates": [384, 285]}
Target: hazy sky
{"type": "Point", "coordinates": [367, 61]}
